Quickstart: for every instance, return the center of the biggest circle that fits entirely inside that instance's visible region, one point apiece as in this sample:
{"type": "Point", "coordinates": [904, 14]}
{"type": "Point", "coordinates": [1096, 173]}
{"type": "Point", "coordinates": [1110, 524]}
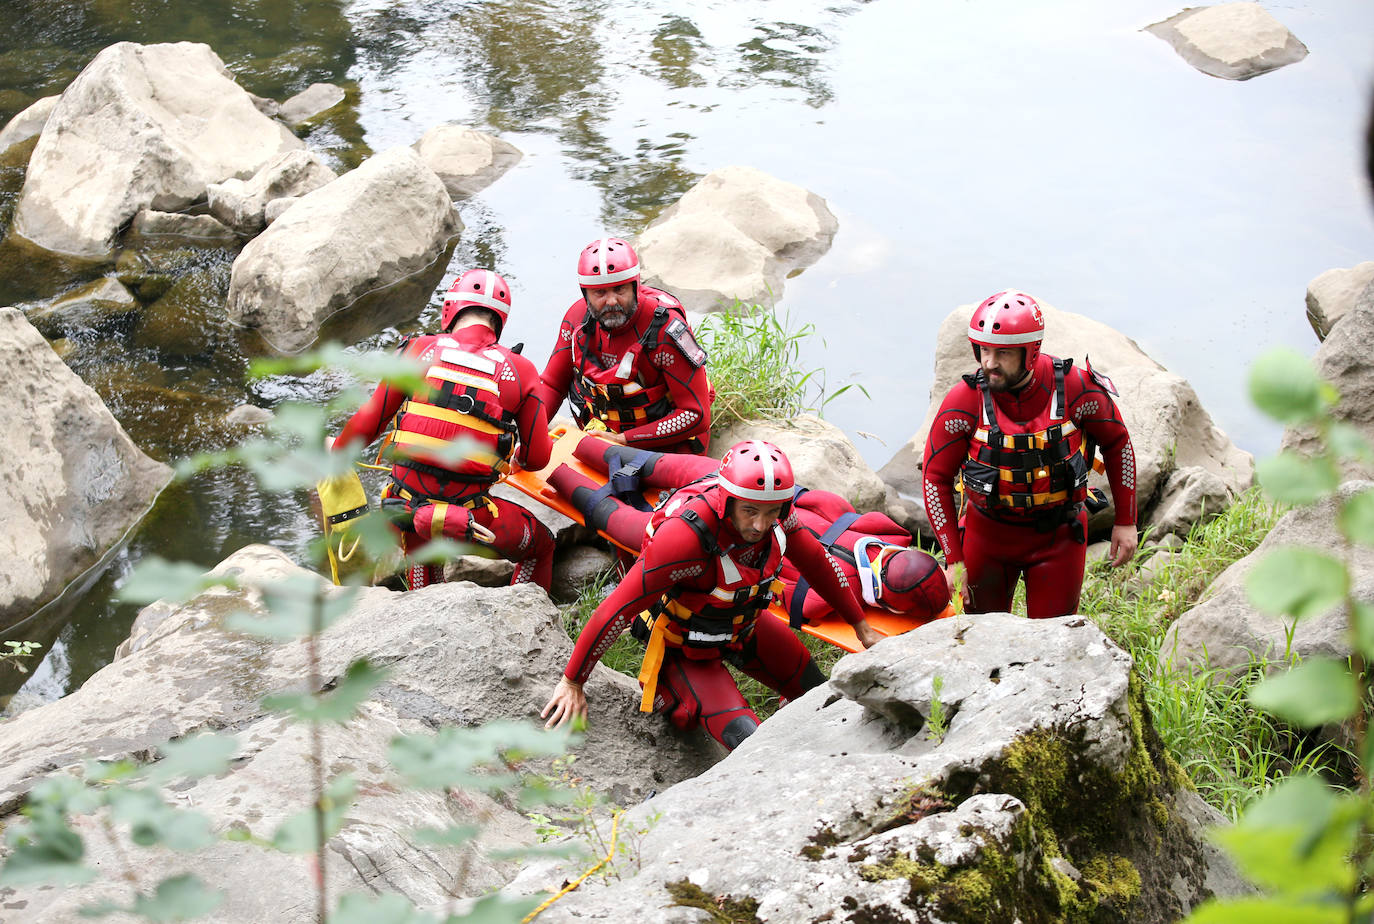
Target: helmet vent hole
{"type": "Point", "coordinates": [997, 326]}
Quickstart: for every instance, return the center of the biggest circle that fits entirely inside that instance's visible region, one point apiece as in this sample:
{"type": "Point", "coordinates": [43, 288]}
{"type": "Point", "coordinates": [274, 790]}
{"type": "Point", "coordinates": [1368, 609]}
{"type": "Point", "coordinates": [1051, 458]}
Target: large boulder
{"type": "Point", "coordinates": [468, 161]}
{"type": "Point", "coordinates": [74, 483]}
{"type": "Point", "coordinates": [1344, 360]}
{"type": "Point", "coordinates": [822, 457]}
{"type": "Point", "coordinates": [26, 126]}
{"type": "Point", "coordinates": [1186, 468]}
{"type": "Point", "coordinates": [1233, 40]}
{"type": "Point", "coordinates": [1226, 631]}
{"type": "Point", "coordinates": [1044, 794]}
{"type": "Point", "coordinates": [143, 126]}
{"type": "Point", "coordinates": [737, 234]}
{"type": "Point", "coordinates": [493, 654]}
{"type": "Point", "coordinates": [242, 204]}
{"type": "Point", "coordinates": [1332, 294]}
{"type": "Point", "coordinates": [389, 220]}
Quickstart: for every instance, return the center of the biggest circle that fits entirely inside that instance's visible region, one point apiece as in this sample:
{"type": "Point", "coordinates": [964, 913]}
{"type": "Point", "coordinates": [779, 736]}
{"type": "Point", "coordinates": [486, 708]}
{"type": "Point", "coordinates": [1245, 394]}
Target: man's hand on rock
{"type": "Point", "coordinates": [868, 636]}
{"type": "Point", "coordinates": [568, 702]}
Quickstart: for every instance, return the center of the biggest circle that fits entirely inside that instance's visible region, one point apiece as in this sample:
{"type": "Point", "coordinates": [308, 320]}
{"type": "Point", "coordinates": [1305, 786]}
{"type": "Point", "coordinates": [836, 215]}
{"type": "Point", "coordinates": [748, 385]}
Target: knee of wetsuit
{"type": "Point", "coordinates": [740, 727]}
{"type": "Point", "coordinates": [812, 676]}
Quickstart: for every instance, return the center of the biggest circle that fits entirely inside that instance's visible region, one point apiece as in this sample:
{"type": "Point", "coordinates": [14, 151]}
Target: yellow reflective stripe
{"type": "Point", "coordinates": [454, 417]}
{"type": "Point", "coordinates": [462, 378]}
{"type": "Point", "coordinates": [406, 440]}
{"type": "Point", "coordinates": [1037, 500]}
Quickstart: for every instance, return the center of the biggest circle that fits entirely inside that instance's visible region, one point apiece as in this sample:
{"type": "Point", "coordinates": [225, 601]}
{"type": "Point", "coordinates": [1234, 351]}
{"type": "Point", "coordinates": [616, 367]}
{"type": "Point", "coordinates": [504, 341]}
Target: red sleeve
{"type": "Point", "coordinates": [556, 378]}
{"type": "Point", "coordinates": [367, 422]}
{"type": "Point", "coordinates": [689, 390]}
{"type": "Point", "coordinates": [946, 449]}
{"type": "Point", "coordinates": [673, 556]}
{"type": "Point", "coordinates": [531, 417]}
{"type": "Point", "coordinates": [1094, 411]}
{"type": "Point", "coordinates": [821, 571]}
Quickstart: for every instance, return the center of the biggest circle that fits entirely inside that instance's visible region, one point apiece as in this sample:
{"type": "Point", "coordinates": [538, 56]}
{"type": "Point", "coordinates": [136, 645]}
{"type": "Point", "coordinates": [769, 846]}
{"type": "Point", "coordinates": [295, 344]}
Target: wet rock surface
{"type": "Point", "coordinates": [467, 160]}
{"type": "Point", "coordinates": [1236, 41]}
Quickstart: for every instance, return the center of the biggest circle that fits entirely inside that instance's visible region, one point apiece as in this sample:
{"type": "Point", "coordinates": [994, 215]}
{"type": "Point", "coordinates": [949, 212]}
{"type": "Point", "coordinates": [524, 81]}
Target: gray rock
{"type": "Point", "coordinates": [737, 234]}
{"type": "Point", "coordinates": [73, 486]}
{"type": "Point", "coordinates": [468, 161]}
{"type": "Point", "coordinates": [1170, 430]}
{"type": "Point", "coordinates": [1226, 631]}
{"type": "Point", "coordinates": [480, 570]}
{"type": "Point", "coordinates": [27, 125]}
{"type": "Point", "coordinates": [175, 229]}
{"type": "Point", "coordinates": [268, 107]}
{"type": "Point", "coordinates": [274, 209]}
{"type": "Point", "coordinates": [847, 799]}
{"type": "Point", "coordinates": [822, 457]}
{"type": "Point", "coordinates": [1332, 294]}
{"type": "Point", "coordinates": [577, 568]}
{"type": "Point", "coordinates": [563, 529]}
{"type": "Point", "coordinates": [310, 102]}
{"type": "Point", "coordinates": [143, 126]}
{"type": "Point", "coordinates": [90, 307]}
{"type": "Point", "coordinates": [242, 204]}
{"type": "Point", "coordinates": [248, 415]}
{"type": "Point", "coordinates": [1191, 494]}
{"type": "Point", "coordinates": [387, 221]}
{"type": "Point", "coordinates": [493, 654]}
{"type": "Point", "coordinates": [1233, 40]}
{"type": "Point", "coordinates": [1344, 360]}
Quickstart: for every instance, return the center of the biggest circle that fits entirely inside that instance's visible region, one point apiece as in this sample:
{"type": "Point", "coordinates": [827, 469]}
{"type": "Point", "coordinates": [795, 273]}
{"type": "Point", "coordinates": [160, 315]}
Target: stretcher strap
{"type": "Point", "coordinates": [653, 662]}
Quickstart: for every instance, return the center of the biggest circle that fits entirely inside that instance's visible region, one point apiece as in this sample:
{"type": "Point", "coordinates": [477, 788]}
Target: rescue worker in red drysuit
{"type": "Point", "coordinates": [1020, 434]}
{"type": "Point", "coordinates": [626, 356]}
{"type": "Point", "coordinates": [894, 576]}
{"type": "Point", "coordinates": [476, 390]}
{"type": "Point", "coordinates": [705, 574]}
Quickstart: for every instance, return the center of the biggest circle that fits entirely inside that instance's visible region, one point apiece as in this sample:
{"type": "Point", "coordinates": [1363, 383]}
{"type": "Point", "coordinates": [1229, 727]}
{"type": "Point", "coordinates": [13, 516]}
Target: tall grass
{"type": "Point", "coordinates": [1231, 752]}
{"type": "Point", "coordinates": [756, 369]}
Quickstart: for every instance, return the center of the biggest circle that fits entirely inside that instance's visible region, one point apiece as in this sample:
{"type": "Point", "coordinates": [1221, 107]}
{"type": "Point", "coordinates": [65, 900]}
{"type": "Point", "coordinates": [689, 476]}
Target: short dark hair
{"type": "Point", "coordinates": [491, 317]}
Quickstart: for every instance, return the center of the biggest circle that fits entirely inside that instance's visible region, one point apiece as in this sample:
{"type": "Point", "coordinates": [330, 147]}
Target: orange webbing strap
{"type": "Point", "coordinates": [653, 661]}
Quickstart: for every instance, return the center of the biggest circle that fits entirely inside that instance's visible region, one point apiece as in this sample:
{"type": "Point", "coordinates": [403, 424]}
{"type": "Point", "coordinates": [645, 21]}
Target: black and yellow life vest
{"type": "Point", "coordinates": [615, 394]}
{"type": "Point", "coordinates": [1030, 473]}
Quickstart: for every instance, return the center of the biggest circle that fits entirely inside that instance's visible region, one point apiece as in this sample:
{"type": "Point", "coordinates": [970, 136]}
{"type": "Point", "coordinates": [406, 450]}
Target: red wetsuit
{"type": "Point", "coordinates": [443, 496]}
{"type": "Point", "coordinates": [818, 511]}
{"type": "Point", "coordinates": [646, 380]}
{"type": "Point", "coordinates": [1045, 543]}
{"type": "Point", "coordinates": [693, 684]}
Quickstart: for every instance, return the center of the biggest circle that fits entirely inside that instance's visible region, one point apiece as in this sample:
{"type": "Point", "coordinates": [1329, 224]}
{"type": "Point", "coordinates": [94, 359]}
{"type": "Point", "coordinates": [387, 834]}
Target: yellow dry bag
{"type": "Point", "coordinates": [343, 502]}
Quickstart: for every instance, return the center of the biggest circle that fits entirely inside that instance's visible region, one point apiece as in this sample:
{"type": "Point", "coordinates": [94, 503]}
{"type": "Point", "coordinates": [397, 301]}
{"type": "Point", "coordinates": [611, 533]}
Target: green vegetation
{"type": "Point", "coordinates": [721, 908]}
{"type": "Point", "coordinates": [755, 367]}
{"type": "Point", "coordinates": [14, 653]}
{"type": "Point", "coordinates": [127, 803]}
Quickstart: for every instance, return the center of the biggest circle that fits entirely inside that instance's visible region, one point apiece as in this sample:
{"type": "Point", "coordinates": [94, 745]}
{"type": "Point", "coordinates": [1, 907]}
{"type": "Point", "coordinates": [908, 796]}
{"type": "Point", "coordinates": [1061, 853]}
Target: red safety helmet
{"type": "Point", "coordinates": [911, 580]}
{"type": "Point", "coordinates": [477, 288]}
{"type": "Point", "coordinates": [757, 471]}
{"type": "Point", "coordinates": [607, 262]}
{"type": "Point", "coordinates": [1008, 319]}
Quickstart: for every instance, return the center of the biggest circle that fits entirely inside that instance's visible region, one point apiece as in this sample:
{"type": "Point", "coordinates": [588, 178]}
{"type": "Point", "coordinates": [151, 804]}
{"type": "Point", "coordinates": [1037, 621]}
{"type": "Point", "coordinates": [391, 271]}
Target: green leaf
{"type": "Point", "coordinates": [1362, 629]}
{"type": "Point", "coordinates": [1294, 479]}
{"type": "Point", "coordinates": [338, 705]}
{"type": "Point", "coordinates": [193, 757]}
{"type": "Point", "coordinates": [297, 833]}
{"type": "Point", "coordinates": [497, 909]}
{"type": "Point", "coordinates": [1296, 839]}
{"type": "Point", "coordinates": [387, 908]}
{"type": "Point", "coordinates": [1266, 911]}
{"type": "Point", "coordinates": [54, 859]}
{"type": "Point", "coordinates": [1284, 385]}
{"type": "Point", "coordinates": [455, 836]}
{"type": "Point", "coordinates": [446, 759]}
{"type": "Point", "coordinates": [179, 898]}
{"type": "Point", "coordinates": [1356, 518]}
{"type": "Point", "coordinates": [1347, 442]}
{"type": "Point", "coordinates": [296, 606]}
{"type": "Point", "coordinates": [1314, 693]}
{"type": "Point", "coordinates": [1296, 581]}
{"type": "Point", "coordinates": [158, 579]}
{"type": "Point", "coordinates": [152, 821]}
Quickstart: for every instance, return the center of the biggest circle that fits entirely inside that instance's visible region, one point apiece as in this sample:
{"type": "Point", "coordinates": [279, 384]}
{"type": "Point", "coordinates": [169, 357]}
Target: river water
{"type": "Point", "coordinates": [965, 147]}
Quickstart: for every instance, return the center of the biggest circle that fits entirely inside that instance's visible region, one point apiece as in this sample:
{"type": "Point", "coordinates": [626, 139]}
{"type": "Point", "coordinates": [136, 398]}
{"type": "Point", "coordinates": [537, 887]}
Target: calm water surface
{"type": "Point", "coordinates": [965, 148]}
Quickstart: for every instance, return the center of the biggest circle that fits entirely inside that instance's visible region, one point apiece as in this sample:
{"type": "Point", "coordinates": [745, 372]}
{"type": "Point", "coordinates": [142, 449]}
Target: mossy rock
{"type": "Point", "coordinates": [186, 320]}
{"type": "Point", "coordinates": [94, 311]}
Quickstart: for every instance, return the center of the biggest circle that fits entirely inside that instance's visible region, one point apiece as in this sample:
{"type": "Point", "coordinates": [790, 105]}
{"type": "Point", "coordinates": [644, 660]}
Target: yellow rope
{"type": "Point", "coordinates": [615, 827]}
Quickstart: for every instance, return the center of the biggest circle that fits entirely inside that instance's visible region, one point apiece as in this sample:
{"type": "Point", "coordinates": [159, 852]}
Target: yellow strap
{"type": "Point", "coordinates": [610, 852]}
{"type": "Point", "coordinates": [1037, 500]}
{"type": "Point", "coordinates": [653, 661]}
{"type": "Point", "coordinates": [595, 425]}
{"type": "Point", "coordinates": [450, 416]}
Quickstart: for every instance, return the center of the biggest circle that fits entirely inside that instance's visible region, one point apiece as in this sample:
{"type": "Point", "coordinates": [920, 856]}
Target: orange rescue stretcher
{"type": "Point", "coordinates": [832, 628]}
